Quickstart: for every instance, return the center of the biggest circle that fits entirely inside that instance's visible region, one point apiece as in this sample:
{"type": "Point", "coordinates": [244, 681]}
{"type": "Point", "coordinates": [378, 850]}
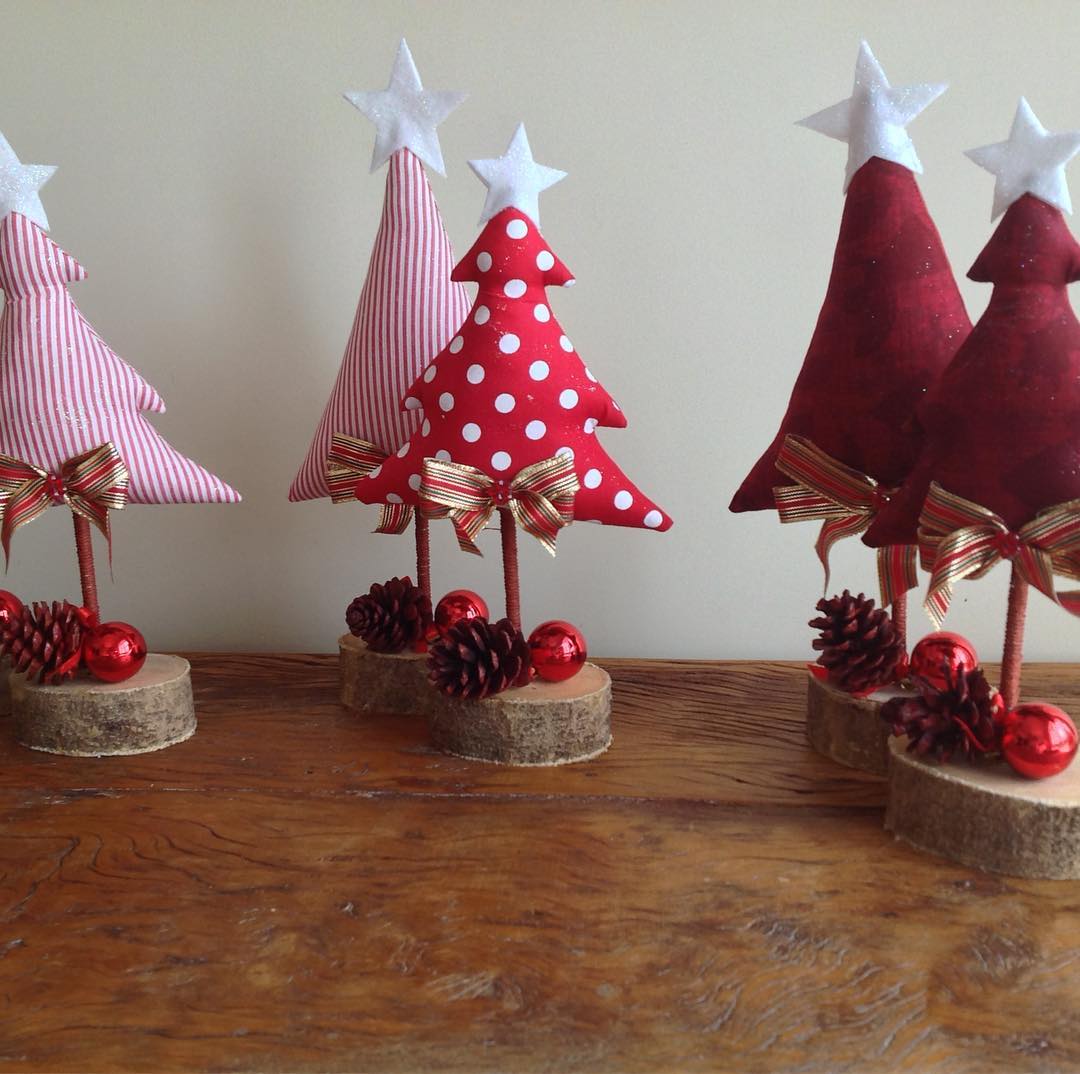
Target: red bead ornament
{"type": "Point", "coordinates": [114, 652]}
{"type": "Point", "coordinates": [935, 651]}
{"type": "Point", "coordinates": [10, 608]}
{"type": "Point", "coordinates": [1039, 740]}
{"type": "Point", "coordinates": [557, 649]}
{"type": "Point", "coordinates": [459, 604]}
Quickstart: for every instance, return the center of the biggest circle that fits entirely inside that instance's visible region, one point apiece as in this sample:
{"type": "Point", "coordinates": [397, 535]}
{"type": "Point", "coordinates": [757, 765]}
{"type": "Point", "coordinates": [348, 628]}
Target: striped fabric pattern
{"type": "Point", "coordinates": [407, 313]}
{"type": "Point", "coordinates": [63, 392]}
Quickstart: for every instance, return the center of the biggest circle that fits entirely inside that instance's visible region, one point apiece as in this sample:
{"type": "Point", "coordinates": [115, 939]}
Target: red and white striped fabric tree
{"type": "Point", "coordinates": [509, 390]}
{"type": "Point", "coordinates": [65, 396]}
{"type": "Point", "coordinates": [408, 306]}
{"type": "Point", "coordinates": [63, 391]}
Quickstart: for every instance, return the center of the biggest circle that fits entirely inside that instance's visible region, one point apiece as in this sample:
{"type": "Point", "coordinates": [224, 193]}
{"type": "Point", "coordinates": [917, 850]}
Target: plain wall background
{"type": "Point", "coordinates": [216, 188]}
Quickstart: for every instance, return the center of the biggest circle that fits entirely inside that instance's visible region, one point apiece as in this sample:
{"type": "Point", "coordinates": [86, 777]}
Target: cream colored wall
{"type": "Point", "coordinates": [215, 185]}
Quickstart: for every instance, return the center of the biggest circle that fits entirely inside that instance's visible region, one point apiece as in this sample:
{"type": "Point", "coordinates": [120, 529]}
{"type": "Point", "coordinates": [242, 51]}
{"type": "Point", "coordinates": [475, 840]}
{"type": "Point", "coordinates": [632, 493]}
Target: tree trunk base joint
{"type": "Point", "coordinates": [389, 683]}
{"type": "Point", "coordinates": [87, 718]}
{"type": "Point", "coordinates": [986, 816]}
{"type": "Point", "coordinates": [849, 730]}
{"type": "Point", "coordinates": [544, 723]}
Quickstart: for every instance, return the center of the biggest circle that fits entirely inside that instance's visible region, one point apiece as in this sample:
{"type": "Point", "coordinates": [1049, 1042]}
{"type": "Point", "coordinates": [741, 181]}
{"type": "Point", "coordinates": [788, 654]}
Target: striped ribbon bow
{"type": "Point", "coordinates": [91, 484]}
{"type": "Point", "coordinates": [959, 539]}
{"type": "Point", "coordinates": [845, 501]}
{"type": "Point", "coordinates": [352, 459]}
{"type": "Point", "coordinates": [541, 497]}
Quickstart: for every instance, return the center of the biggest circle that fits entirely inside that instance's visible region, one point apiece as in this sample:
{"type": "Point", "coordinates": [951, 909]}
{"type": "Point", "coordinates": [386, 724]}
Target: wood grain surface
{"type": "Point", "coordinates": [300, 889]}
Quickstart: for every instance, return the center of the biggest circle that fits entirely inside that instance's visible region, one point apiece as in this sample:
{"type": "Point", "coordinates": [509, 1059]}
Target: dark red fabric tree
{"type": "Point", "coordinates": [891, 321]}
{"type": "Point", "coordinates": [1003, 424]}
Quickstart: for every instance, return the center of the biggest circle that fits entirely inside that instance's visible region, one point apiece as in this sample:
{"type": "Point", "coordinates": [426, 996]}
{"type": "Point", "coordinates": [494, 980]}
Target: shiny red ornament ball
{"type": "Point", "coordinates": [459, 604]}
{"type": "Point", "coordinates": [557, 649]}
{"type": "Point", "coordinates": [1039, 740]}
{"type": "Point", "coordinates": [114, 652]}
{"type": "Point", "coordinates": [10, 608]}
{"type": "Point", "coordinates": [937, 651]}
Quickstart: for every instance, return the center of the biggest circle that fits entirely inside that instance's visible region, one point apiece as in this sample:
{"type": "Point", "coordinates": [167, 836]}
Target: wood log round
{"type": "Point", "coordinates": [87, 718]}
{"type": "Point", "coordinates": [986, 816]}
{"type": "Point", "coordinates": [849, 729]}
{"type": "Point", "coordinates": [389, 683]}
{"type": "Point", "coordinates": [544, 723]}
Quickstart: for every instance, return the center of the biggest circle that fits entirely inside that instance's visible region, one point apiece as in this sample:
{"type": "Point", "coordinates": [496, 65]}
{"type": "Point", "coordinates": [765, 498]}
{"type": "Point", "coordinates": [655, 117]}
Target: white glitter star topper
{"type": "Point", "coordinates": [19, 186]}
{"type": "Point", "coordinates": [1032, 161]}
{"type": "Point", "coordinates": [515, 179]}
{"type": "Point", "coordinates": [405, 114]}
{"type": "Point", "coordinates": [873, 120]}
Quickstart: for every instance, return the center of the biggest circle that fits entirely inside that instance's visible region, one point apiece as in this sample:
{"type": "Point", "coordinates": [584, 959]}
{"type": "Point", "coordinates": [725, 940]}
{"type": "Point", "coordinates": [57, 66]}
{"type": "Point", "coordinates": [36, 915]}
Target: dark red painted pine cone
{"type": "Point", "coordinates": [390, 618]}
{"type": "Point", "coordinates": [475, 659]}
{"type": "Point", "coordinates": [860, 647]}
{"type": "Point", "coordinates": [45, 641]}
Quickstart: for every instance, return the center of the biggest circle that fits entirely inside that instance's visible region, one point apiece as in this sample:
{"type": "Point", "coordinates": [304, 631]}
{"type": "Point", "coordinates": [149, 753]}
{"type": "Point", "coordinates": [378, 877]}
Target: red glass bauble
{"type": "Point", "coordinates": [459, 604]}
{"type": "Point", "coordinates": [114, 652]}
{"type": "Point", "coordinates": [10, 608]}
{"type": "Point", "coordinates": [937, 651]}
{"type": "Point", "coordinates": [557, 649]}
{"type": "Point", "coordinates": [1039, 740]}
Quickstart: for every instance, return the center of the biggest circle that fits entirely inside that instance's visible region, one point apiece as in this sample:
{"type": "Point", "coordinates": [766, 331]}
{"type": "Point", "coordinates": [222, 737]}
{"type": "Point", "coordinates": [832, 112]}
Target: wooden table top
{"type": "Point", "coordinates": [300, 889]}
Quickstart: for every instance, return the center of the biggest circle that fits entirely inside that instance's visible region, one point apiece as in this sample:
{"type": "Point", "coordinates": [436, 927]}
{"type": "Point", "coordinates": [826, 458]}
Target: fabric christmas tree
{"type": "Point", "coordinates": [408, 306]}
{"type": "Point", "coordinates": [72, 428]}
{"type": "Point", "coordinates": [891, 321]}
{"type": "Point", "coordinates": [509, 391]}
{"type": "Point", "coordinates": [1003, 424]}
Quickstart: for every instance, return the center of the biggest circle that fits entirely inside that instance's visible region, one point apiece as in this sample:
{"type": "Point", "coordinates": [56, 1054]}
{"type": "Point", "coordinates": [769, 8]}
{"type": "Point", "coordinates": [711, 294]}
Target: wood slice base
{"type": "Point", "coordinates": [986, 816]}
{"type": "Point", "coordinates": [394, 683]}
{"type": "Point", "coordinates": [86, 718]}
{"type": "Point", "coordinates": [5, 690]}
{"type": "Point", "coordinates": [849, 729]}
{"type": "Point", "coordinates": [544, 723]}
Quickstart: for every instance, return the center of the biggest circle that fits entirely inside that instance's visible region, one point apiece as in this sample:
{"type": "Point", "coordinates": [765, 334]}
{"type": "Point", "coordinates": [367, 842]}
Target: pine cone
{"type": "Point", "coordinates": [391, 617]}
{"type": "Point", "coordinates": [45, 640]}
{"type": "Point", "coordinates": [859, 645]}
{"type": "Point", "coordinates": [475, 659]}
{"type": "Point", "coordinates": [956, 719]}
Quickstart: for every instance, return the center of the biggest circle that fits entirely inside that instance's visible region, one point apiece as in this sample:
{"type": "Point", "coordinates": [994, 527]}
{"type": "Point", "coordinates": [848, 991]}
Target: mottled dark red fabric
{"type": "Point", "coordinates": [1003, 423]}
{"type": "Point", "coordinates": [891, 321]}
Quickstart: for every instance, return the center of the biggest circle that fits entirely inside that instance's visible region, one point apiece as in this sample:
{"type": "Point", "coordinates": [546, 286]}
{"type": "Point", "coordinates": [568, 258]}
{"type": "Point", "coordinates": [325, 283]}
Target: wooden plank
{"type": "Point", "coordinates": [726, 731]}
{"type": "Point", "coordinates": [190, 931]}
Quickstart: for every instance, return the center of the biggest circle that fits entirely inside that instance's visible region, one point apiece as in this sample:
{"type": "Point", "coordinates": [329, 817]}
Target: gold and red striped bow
{"type": "Point", "coordinates": [845, 501]}
{"type": "Point", "coordinates": [352, 459]}
{"type": "Point", "coordinates": [959, 539]}
{"type": "Point", "coordinates": [91, 484]}
{"type": "Point", "coordinates": [541, 497]}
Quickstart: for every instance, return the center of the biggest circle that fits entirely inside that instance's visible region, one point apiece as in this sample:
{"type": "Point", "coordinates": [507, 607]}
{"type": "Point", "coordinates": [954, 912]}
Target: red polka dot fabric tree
{"type": "Point", "coordinates": [891, 321]}
{"type": "Point", "coordinates": [1001, 460]}
{"type": "Point", "coordinates": [509, 390]}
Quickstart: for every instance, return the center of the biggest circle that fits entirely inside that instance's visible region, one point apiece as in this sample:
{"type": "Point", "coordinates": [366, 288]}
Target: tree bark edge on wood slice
{"type": "Point", "coordinates": [847, 729]}
{"type": "Point", "coordinates": [87, 718]}
{"type": "Point", "coordinates": [393, 683]}
{"type": "Point", "coordinates": [542, 724]}
{"type": "Point", "coordinates": [986, 816]}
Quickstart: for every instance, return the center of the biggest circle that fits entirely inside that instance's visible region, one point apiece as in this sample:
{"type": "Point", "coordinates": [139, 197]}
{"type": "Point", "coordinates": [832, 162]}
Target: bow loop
{"type": "Point", "coordinates": [349, 461]}
{"type": "Point", "coordinates": [540, 497]}
{"type": "Point", "coordinates": [961, 539]}
{"type": "Point", "coordinates": [845, 502]}
{"type": "Point", "coordinates": [91, 484]}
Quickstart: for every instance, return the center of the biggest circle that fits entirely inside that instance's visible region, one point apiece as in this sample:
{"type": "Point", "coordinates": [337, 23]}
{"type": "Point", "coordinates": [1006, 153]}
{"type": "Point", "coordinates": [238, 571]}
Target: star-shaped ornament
{"type": "Point", "coordinates": [1032, 161]}
{"type": "Point", "coordinates": [19, 186]}
{"type": "Point", "coordinates": [405, 114]}
{"type": "Point", "coordinates": [873, 120]}
{"type": "Point", "coordinates": [515, 179]}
